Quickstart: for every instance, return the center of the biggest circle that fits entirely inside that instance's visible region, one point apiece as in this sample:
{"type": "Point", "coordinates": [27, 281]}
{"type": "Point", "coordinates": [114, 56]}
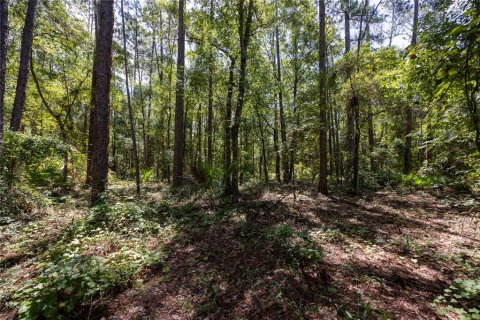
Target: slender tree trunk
{"type": "Point", "coordinates": [407, 162]}
{"type": "Point", "coordinates": [322, 183]}
{"type": "Point", "coordinates": [198, 155]}
{"type": "Point", "coordinates": [283, 126]}
{"type": "Point", "coordinates": [371, 140]}
{"type": "Point", "coordinates": [338, 155]}
{"type": "Point", "coordinates": [244, 33]}
{"type": "Point", "coordinates": [346, 15]}
{"type": "Point", "coordinates": [293, 145]}
{"type": "Point", "coordinates": [350, 136]}
{"type": "Point", "coordinates": [101, 109]}
{"type": "Point", "coordinates": [392, 27]}
{"type": "Point", "coordinates": [3, 64]}
{"type": "Point", "coordinates": [227, 179]}
{"type": "Point", "coordinates": [356, 160]}
{"type": "Point", "coordinates": [178, 150]}
{"type": "Point", "coordinates": [263, 149]}
{"type": "Point", "coordinates": [129, 105]}
{"type": "Point", "coordinates": [25, 53]}
{"type": "Point", "coordinates": [210, 99]}
{"type": "Point", "coordinates": [276, 147]}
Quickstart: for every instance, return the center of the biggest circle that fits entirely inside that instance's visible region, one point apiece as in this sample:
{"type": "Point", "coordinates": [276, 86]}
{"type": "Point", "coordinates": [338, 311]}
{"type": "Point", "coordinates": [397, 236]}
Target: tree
{"type": "Point", "coordinates": [129, 104]}
{"type": "Point", "coordinates": [22, 79]}
{"type": "Point", "coordinates": [245, 17]}
{"type": "Point", "coordinates": [3, 63]}
{"type": "Point", "coordinates": [283, 126]}
{"type": "Point", "coordinates": [322, 56]}
{"type": "Point", "coordinates": [210, 96]}
{"type": "Point", "coordinates": [99, 121]}
{"type": "Point", "coordinates": [407, 167]}
{"type": "Point", "coordinates": [179, 139]}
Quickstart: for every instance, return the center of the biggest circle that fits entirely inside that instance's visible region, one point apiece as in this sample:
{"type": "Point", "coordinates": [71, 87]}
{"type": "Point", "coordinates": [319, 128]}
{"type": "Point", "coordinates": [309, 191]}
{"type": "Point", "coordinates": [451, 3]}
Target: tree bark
{"type": "Point", "coordinates": [22, 79]}
{"type": "Point", "coordinates": [179, 139]}
{"type": "Point", "coordinates": [283, 126]}
{"type": "Point", "coordinates": [101, 108]}
{"type": "Point", "coordinates": [210, 99]}
{"type": "Point", "coordinates": [3, 64]}
{"type": "Point", "coordinates": [227, 179]}
{"type": "Point", "coordinates": [88, 179]}
{"type": "Point", "coordinates": [322, 181]}
{"type": "Point", "coordinates": [407, 161]}
{"type": "Point", "coordinates": [244, 28]}
{"type": "Point", "coordinates": [276, 147]}
{"type": "Point", "coordinates": [129, 105]}
{"type": "Point", "coordinates": [346, 14]}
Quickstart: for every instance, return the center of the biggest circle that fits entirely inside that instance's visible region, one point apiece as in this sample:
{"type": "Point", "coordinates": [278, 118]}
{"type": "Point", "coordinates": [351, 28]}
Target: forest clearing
{"type": "Point", "coordinates": [239, 159]}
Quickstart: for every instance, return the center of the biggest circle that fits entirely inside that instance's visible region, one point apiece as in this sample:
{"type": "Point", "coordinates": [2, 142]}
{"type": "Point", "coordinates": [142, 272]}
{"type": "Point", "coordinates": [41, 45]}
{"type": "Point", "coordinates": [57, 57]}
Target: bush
{"type": "Point", "coordinates": [38, 154]}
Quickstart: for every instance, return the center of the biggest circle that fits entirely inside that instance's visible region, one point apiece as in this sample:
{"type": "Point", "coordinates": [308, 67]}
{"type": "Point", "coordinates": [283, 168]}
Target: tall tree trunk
{"type": "Point", "coordinates": [283, 126]}
{"type": "Point", "coordinates": [139, 72]}
{"type": "Point", "coordinates": [356, 156]}
{"type": "Point", "coordinates": [227, 149]}
{"type": "Point", "coordinates": [407, 162]}
{"type": "Point", "coordinates": [293, 144]}
{"type": "Point", "coordinates": [244, 28]}
{"type": "Point", "coordinates": [371, 140]}
{"type": "Point", "coordinates": [350, 136]}
{"type": "Point", "coordinates": [210, 99]}
{"type": "Point", "coordinates": [101, 108]}
{"type": "Point", "coordinates": [129, 104]}
{"type": "Point", "coordinates": [88, 179]}
{"type": "Point", "coordinates": [346, 15]}
{"type": "Point", "coordinates": [263, 155]}
{"type": "Point", "coordinates": [198, 155]}
{"type": "Point", "coordinates": [3, 64]}
{"type": "Point", "coordinates": [25, 53]}
{"type": "Point", "coordinates": [179, 124]}
{"type": "Point", "coordinates": [322, 55]}
{"type": "Point", "coordinates": [276, 147]}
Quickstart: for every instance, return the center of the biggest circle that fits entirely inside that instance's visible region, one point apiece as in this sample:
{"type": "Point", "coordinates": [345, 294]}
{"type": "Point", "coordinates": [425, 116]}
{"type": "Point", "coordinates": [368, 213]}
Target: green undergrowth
{"type": "Point", "coordinates": [461, 298]}
{"type": "Point", "coordinates": [105, 248]}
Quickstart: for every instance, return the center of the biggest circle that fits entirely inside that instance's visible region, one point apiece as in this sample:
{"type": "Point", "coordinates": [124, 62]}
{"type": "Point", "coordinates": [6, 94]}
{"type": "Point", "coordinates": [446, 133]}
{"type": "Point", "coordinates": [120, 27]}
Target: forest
{"type": "Point", "coordinates": [239, 159]}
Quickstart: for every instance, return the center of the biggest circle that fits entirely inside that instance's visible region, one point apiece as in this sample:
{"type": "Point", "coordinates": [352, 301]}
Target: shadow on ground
{"type": "Point", "coordinates": [278, 256]}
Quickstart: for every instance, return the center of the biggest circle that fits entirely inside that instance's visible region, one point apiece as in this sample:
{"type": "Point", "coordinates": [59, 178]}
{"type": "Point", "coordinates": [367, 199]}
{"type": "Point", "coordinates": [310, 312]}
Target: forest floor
{"type": "Point", "coordinates": [275, 254]}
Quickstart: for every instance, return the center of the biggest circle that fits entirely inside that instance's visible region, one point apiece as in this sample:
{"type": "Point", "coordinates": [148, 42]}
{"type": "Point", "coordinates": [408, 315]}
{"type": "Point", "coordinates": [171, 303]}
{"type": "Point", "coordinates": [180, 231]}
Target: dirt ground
{"type": "Point", "coordinates": [385, 256]}
{"type": "Point", "coordinates": [299, 255]}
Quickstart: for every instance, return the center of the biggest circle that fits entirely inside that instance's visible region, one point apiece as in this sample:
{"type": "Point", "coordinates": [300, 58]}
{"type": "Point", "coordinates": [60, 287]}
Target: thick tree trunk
{"type": "Point", "coordinates": [25, 53]}
{"type": "Point", "coordinates": [179, 139]}
{"type": "Point", "coordinates": [322, 182]}
{"type": "Point", "coordinates": [88, 179]}
{"type": "Point", "coordinates": [101, 108]}
{"type": "Point", "coordinates": [3, 64]}
{"type": "Point", "coordinates": [129, 105]}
